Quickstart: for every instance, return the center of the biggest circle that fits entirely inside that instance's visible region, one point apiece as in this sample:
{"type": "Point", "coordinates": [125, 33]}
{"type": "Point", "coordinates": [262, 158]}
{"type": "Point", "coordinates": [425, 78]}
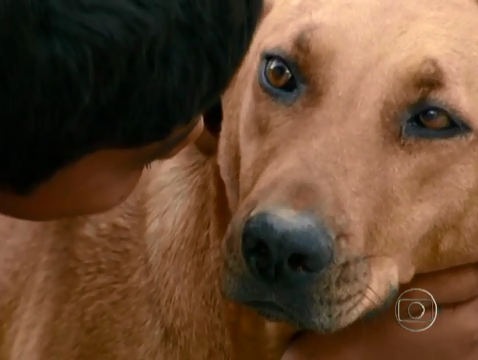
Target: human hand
{"type": "Point", "coordinates": [454, 335]}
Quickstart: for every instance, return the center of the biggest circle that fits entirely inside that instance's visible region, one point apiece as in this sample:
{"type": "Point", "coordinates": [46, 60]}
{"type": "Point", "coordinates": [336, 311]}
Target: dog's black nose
{"type": "Point", "coordinates": [285, 246]}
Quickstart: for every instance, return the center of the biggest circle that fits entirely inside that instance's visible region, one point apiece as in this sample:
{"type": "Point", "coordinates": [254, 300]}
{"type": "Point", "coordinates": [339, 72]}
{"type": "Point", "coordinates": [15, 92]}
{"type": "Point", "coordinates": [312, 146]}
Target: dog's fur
{"type": "Point", "coordinates": [145, 280]}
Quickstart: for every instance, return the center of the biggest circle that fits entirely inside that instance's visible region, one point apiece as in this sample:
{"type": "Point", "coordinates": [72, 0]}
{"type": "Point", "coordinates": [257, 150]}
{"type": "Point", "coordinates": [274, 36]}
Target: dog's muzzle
{"type": "Point", "coordinates": [284, 252]}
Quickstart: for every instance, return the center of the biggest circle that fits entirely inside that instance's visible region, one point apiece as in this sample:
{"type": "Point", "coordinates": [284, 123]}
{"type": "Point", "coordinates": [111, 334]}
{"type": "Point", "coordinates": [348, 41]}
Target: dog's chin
{"type": "Point", "coordinates": [303, 319]}
{"type": "Point", "coordinates": [323, 306]}
{"type": "Point", "coordinates": [271, 311]}
{"type": "Point", "coordinates": [266, 306]}
{"type": "Point", "coordinates": [313, 321]}
{"type": "Point", "coordinates": [325, 314]}
{"type": "Point", "coordinates": [297, 312]}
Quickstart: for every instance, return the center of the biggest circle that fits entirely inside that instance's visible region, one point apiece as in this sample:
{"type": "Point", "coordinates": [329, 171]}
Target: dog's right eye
{"type": "Point", "coordinates": [277, 78]}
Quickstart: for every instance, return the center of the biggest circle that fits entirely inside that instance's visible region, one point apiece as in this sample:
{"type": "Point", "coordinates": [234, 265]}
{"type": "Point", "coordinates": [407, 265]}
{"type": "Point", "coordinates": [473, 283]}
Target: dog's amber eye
{"type": "Point", "coordinates": [277, 73]}
{"type": "Point", "coordinates": [280, 78]}
{"type": "Point", "coordinates": [435, 119]}
{"type": "Point", "coordinates": [425, 120]}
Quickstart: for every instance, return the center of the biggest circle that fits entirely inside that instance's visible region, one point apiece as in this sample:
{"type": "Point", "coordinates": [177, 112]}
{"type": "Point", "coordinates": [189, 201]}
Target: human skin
{"type": "Point", "coordinates": [96, 182]}
{"type": "Point", "coordinates": [454, 335]}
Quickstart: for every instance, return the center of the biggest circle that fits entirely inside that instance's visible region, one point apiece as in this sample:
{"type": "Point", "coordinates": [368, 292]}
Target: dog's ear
{"type": "Point", "coordinates": [212, 118]}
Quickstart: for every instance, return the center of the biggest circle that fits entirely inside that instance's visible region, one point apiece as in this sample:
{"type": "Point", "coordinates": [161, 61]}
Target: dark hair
{"type": "Point", "coordinates": [78, 76]}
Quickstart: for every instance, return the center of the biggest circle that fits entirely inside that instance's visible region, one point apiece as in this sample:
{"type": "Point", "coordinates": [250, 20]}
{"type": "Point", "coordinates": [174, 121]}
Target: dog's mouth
{"type": "Point", "coordinates": [270, 311]}
{"type": "Point", "coordinates": [341, 296]}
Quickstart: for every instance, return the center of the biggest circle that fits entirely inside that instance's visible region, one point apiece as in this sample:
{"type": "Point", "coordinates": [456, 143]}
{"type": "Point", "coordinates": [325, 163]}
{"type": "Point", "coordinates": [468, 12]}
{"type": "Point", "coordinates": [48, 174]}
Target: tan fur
{"type": "Point", "coordinates": [396, 206]}
{"type": "Point", "coordinates": [126, 285]}
{"type": "Point", "coordinates": [144, 281]}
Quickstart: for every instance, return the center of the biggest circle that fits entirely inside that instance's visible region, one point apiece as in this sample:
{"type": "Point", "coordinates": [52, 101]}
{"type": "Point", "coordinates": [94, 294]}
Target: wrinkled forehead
{"type": "Point", "coordinates": [368, 55]}
{"type": "Point", "coordinates": [374, 32]}
{"type": "Point", "coordinates": [370, 15]}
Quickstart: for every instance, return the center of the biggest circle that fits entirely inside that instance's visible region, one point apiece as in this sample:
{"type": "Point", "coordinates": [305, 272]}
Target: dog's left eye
{"type": "Point", "coordinates": [431, 122]}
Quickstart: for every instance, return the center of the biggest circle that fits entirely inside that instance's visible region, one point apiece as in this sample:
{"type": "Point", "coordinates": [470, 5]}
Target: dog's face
{"type": "Point", "coordinates": [349, 155]}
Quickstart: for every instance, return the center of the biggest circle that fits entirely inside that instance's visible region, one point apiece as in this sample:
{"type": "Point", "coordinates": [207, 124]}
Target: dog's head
{"type": "Point", "coordinates": [349, 155]}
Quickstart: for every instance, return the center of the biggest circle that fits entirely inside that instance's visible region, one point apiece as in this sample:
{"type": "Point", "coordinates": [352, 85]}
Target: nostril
{"type": "Point", "coordinates": [259, 257]}
{"type": "Point", "coordinates": [262, 255]}
{"type": "Point", "coordinates": [298, 263]}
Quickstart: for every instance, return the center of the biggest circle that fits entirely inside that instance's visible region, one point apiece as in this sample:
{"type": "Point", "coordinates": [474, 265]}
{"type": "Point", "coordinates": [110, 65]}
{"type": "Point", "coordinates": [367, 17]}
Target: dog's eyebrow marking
{"type": "Point", "coordinates": [306, 44]}
{"type": "Point", "coordinates": [301, 43]}
{"type": "Point", "coordinates": [429, 76]}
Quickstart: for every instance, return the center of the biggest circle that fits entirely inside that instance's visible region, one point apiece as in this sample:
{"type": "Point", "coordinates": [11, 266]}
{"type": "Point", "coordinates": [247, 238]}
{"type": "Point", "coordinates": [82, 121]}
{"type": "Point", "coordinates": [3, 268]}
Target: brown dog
{"type": "Point", "coordinates": [346, 164]}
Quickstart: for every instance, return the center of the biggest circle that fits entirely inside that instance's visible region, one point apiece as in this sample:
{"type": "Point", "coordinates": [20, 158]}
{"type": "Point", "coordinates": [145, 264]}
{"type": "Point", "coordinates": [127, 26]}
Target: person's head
{"type": "Point", "coordinates": [93, 89]}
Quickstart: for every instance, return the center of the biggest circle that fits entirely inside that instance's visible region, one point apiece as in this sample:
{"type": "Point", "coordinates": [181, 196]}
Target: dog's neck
{"type": "Point", "coordinates": [195, 211]}
{"type": "Point", "coordinates": [198, 214]}
{"type": "Point", "coordinates": [185, 226]}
